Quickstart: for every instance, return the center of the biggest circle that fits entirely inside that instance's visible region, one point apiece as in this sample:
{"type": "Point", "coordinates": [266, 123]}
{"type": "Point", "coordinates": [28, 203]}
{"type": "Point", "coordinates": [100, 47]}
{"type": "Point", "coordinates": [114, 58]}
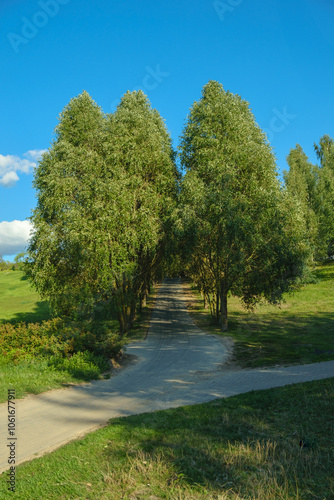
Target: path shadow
{"type": "Point", "coordinates": [197, 441]}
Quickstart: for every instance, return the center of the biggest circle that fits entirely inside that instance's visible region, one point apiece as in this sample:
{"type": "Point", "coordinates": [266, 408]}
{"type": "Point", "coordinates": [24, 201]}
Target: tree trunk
{"type": "Point", "coordinates": [143, 299]}
{"type": "Point", "coordinates": [132, 313]}
{"type": "Point", "coordinates": [223, 318]}
{"type": "Point", "coordinates": [217, 306]}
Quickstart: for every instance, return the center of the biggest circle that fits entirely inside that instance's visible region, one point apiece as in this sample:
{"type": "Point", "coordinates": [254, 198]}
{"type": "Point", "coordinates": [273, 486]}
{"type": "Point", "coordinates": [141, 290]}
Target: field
{"type": "Point", "coordinates": [20, 302]}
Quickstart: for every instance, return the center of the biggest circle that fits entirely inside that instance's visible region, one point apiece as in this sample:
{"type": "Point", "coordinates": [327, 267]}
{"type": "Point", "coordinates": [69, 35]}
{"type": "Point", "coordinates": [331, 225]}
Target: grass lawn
{"type": "Point", "coordinates": [32, 377]}
{"type": "Point", "coordinates": [19, 301]}
{"type": "Point", "coordinates": [300, 331]}
{"type": "Point", "coordinates": [266, 445]}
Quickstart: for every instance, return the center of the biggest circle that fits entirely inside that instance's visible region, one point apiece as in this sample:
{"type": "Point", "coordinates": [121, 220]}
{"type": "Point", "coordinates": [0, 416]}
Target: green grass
{"type": "Point", "coordinates": [243, 447]}
{"type": "Point", "coordinates": [33, 377]}
{"type": "Point", "coordinates": [300, 331]}
{"type": "Point", "coordinates": [19, 301]}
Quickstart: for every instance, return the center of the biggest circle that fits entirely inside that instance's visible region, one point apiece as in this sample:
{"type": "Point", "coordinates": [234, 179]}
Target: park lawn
{"type": "Point", "coordinates": [34, 377]}
{"type": "Point", "coordinates": [19, 301]}
{"type": "Point", "coordinates": [301, 330]}
{"type": "Point", "coordinates": [265, 445]}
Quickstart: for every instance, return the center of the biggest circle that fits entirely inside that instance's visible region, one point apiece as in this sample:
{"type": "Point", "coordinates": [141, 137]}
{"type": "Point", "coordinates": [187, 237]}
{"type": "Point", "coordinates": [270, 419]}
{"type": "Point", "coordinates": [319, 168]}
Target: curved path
{"type": "Point", "coordinates": [176, 365]}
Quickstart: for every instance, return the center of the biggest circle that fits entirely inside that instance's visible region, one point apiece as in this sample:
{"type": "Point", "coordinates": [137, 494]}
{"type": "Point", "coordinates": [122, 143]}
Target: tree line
{"type": "Point", "coordinates": [312, 186]}
{"type": "Point", "coordinates": [6, 265]}
{"type": "Point", "coordinates": [114, 212]}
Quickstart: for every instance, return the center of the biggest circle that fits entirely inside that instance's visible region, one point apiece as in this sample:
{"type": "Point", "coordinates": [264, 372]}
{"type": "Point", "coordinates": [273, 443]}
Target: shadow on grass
{"type": "Point", "coordinates": [40, 313]}
{"type": "Point", "coordinates": [274, 337]}
{"type": "Point", "coordinates": [302, 339]}
{"type": "Point", "coordinates": [229, 441]}
{"type": "Point", "coordinates": [326, 272]}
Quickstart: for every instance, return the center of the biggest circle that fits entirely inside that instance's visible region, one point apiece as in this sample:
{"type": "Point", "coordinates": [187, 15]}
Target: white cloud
{"type": "Point", "coordinates": [35, 154]}
{"type": "Point", "coordinates": [9, 179]}
{"type": "Point", "coordinates": [11, 164]}
{"type": "Point", "coordinates": [14, 236]}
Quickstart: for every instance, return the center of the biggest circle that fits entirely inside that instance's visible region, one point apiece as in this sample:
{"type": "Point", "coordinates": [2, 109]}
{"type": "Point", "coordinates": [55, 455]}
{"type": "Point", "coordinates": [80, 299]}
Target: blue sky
{"type": "Point", "coordinates": [278, 55]}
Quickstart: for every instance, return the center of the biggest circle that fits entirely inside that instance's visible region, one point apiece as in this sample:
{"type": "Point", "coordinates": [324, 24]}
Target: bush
{"type": "Point", "coordinates": [58, 338]}
{"type": "Point", "coordinates": [97, 338]}
{"type": "Point", "coordinates": [309, 277]}
{"type": "Point", "coordinates": [23, 340]}
{"type": "Point", "coordinates": [82, 365]}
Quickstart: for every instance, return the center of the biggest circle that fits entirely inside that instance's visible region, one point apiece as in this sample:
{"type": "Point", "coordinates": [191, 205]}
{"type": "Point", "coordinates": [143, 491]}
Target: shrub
{"type": "Point", "coordinates": [82, 365]}
{"type": "Point", "coordinates": [23, 340]}
{"type": "Point", "coordinates": [96, 338]}
{"type": "Point", "coordinates": [58, 338]}
{"type": "Point", "coordinates": [309, 277]}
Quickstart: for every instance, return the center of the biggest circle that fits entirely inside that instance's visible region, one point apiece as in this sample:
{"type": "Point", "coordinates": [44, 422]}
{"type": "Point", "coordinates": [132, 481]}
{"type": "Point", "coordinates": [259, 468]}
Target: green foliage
{"type": "Point", "coordinates": [22, 340]}
{"type": "Point", "coordinates": [82, 365]}
{"type": "Point", "coordinates": [19, 260]}
{"type": "Point", "coordinates": [138, 144]}
{"type": "Point", "coordinates": [5, 265]}
{"type": "Point", "coordinates": [325, 195]}
{"type": "Point", "coordinates": [97, 338]}
{"type": "Point", "coordinates": [312, 186]}
{"type": "Point", "coordinates": [301, 182]}
{"type": "Point", "coordinates": [241, 233]}
{"type": "Point", "coordinates": [104, 193]}
{"type": "Point", "coordinates": [57, 337]}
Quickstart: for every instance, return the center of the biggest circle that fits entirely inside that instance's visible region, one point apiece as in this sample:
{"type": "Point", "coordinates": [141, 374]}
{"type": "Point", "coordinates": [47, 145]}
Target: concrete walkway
{"type": "Point", "coordinates": [176, 365]}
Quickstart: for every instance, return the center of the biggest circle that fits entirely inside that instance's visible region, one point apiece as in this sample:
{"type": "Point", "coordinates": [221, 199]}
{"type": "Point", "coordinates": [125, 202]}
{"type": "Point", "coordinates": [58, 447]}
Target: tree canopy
{"type": "Point", "coordinates": [113, 212]}
{"type": "Point", "coordinates": [312, 186]}
{"type": "Point", "coordinates": [103, 190]}
{"type": "Point", "coordinates": [244, 235]}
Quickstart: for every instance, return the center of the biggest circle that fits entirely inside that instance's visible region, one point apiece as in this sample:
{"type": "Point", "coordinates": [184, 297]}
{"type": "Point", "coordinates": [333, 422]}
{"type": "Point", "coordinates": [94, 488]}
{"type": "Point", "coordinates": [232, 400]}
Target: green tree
{"type": "Point", "coordinates": [139, 144]}
{"type": "Point", "coordinates": [19, 259]}
{"type": "Point", "coordinates": [325, 195]}
{"type": "Point", "coordinates": [245, 236]}
{"type": "Point", "coordinates": [325, 151]}
{"type": "Point", "coordinates": [104, 191]}
{"type": "Point", "coordinates": [301, 182]}
{"type": "Point", "coordinates": [77, 246]}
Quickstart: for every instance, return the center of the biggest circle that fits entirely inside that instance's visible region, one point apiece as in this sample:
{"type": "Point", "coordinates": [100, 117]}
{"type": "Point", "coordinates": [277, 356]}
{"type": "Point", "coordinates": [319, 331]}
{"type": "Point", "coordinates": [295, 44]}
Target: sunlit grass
{"type": "Point", "coordinates": [32, 377]}
{"type": "Point", "coordinates": [266, 445]}
{"type": "Point", "coordinates": [19, 301]}
{"type": "Point", "coordinates": [301, 330]}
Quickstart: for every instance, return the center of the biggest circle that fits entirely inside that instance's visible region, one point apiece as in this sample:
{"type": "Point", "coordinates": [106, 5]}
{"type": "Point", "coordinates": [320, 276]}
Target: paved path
{"type": "Point", "coordinates": [177, 365]}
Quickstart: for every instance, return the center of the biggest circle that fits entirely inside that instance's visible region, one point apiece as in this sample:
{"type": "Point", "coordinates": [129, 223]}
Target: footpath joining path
{"type": "Point", "coordinates": [177, 365]}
